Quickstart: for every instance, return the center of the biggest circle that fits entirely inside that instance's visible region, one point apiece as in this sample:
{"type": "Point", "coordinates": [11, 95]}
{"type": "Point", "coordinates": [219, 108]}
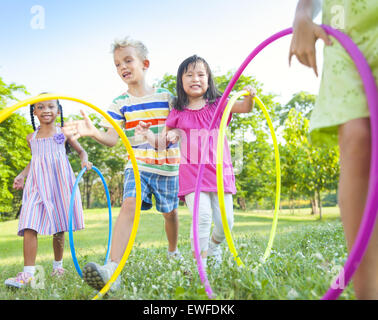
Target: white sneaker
{"type": "Point", "coordinates": [214, 253]}
{"type": "Point", "coordinates": [22, 280]}
{"type": "Point", "coordinates": [176, 255]}
{"type": "Point", "coordinates": [97, 276]}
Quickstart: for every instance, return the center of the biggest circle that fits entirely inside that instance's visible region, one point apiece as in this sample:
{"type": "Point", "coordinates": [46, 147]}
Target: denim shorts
{"type": "Point", "coordinates": [164, 188]}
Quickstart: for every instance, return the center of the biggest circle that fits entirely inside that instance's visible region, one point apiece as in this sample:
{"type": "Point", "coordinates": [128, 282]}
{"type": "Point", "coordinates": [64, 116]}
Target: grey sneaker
{"type": "Point", "coordinates": [97, 276]}
{"type": "Point", "coordinates": [214, 254]}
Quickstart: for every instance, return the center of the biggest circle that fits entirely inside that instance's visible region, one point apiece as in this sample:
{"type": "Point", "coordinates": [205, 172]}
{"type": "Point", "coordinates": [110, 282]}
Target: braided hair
{"type": "Point", "coordinates": [60, 108]}
{"type": "Point", "coordinates": [32, 106]}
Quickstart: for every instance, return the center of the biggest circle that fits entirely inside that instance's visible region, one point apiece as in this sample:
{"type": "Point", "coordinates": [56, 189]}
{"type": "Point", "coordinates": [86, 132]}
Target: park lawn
{"type": "Point", "coordinates": [307, 254]}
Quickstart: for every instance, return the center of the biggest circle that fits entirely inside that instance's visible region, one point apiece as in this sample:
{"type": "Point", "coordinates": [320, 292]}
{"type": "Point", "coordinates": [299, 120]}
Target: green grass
{"type": "Point", "coordinates": [305, 257]}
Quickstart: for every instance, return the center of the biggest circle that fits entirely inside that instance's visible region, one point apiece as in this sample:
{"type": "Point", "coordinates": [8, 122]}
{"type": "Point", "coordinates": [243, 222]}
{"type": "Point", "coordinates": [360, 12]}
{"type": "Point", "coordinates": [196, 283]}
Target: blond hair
{"type": "Point", "coordinates": [128, 42]}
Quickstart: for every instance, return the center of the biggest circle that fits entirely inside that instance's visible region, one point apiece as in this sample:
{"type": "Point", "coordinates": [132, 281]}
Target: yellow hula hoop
{"type": "Point", "coordinates": [220, 147]}
{"type": "Point", "coordinates": [4, 114]}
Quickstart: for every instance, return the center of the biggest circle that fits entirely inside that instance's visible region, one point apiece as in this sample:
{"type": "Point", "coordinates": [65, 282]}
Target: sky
{"type": "Point", "coordinates": [63, 46]}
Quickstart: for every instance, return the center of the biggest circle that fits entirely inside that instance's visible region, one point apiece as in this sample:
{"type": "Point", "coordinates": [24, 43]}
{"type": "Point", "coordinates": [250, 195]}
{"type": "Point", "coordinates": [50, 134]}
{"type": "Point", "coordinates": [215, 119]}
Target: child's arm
{"type": "Point", "coordinates": [85, 128]}
{"type": "Point", "coordinates": [161, 141]}
{"type": "Point", "coordinates": [18, 182]}
{"type": "Point", "coordinates": [81, 152]}
{"type": "Point", "coordinates": [305, 34]}
{"type": "Point", "coordinates": [246, 105]}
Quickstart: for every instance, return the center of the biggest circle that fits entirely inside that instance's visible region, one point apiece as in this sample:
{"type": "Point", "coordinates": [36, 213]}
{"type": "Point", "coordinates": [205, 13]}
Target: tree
{"type": "Point", "coordinates": [294, 155]}
{"type": "Point", "coordinates": [111, 163]}
{"type": "Point", "coordinates": [168, 82]}
{"type": "Point", "coordinates": [14, 151]}
{"type": "Point", "coordinates": [302, 102]}
{"type": "Point", "coordinates": [256, 180]}
{"type": "Point", "coordinates": [115, 162]}
{"type": "Point", "coordinates": [324, 161]}
{"type": "Point", "coordinates": [307, 169]}
{"type": "Point", "coordinates": [97, 153]}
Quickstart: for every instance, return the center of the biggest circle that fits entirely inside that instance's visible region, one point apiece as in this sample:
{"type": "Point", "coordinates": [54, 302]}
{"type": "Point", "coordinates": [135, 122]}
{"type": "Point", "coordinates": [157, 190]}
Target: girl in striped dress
{"type": "Point", "coordinates": [47, 192]}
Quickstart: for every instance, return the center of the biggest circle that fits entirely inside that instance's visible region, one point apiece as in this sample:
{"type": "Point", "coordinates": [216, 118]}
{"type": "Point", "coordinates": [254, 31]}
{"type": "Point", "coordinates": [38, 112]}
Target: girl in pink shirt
{"type": "Point", "coordinates": [194, 108]}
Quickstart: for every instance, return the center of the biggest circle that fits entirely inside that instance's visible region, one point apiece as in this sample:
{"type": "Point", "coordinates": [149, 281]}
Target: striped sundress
{"type": "Point", "coordinates": [48, 189]}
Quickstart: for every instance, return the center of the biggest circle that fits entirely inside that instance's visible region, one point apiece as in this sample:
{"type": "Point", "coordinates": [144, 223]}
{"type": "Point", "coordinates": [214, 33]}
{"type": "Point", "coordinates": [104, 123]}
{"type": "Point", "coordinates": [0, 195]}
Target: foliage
{"type": "Point", "coordinates": [168, 82]}
{"type": "Point", "coordinates": [302, 102]}
{"type": "Point", "coordinates": [14, 151]}
{"type": "Point", "coordinates": [110, 162]}
{"type": "Point", "coordinates": [307, 171]}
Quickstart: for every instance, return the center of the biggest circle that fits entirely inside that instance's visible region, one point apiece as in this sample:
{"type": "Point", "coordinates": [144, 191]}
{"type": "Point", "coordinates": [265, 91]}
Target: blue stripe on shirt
{"type": "Point", "coordinates": [145, 106]}
{"type": "Point", "coordinates": [148, 146]}
{"type": "Point", "coordinates": [116, 116]}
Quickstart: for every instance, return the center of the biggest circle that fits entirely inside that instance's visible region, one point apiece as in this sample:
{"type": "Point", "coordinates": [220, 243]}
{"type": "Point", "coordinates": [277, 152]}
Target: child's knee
{"type": "Point", "coordinates": [58, 235]}
{"type": "Point", "coordinates": [129, 203]}
{"type": "Point", "coordinates": [30, 233]}
{"type": "Point", "coordinates": [171, 216]}
{"type": "Point", "coordinates": [218, 231]}
{"type": "Point", "coordinates": [203, 243]}
{"type": "Point", "coordinates": [355, 137]}
{"type": "Point", "coordinates": [128, 207]}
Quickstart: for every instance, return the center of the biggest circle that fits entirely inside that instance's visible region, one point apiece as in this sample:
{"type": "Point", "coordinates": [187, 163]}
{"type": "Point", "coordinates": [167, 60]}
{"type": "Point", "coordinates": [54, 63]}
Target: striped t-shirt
{"type": "Point", "coordinates": [127, 111]}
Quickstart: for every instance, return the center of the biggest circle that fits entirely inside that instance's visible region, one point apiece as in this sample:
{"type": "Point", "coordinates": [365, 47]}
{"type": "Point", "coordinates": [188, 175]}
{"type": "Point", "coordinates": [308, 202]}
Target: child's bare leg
{"type": "Point", "coordinates": [171, 229]}
{"type": "Point", "coordinates": [97, 276]}
{"type": "Point", "coordinates": [30, 247]}
{"type": "Point", "coordinates": [354, 141]}
{"type": "Point", "coordinates": [122, 229]}
{"type": "Point", "coordinates": [58, 245]}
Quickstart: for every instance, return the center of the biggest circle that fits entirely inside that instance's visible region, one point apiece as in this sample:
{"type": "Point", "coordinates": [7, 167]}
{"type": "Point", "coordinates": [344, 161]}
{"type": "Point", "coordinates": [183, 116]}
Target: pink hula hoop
{"type": "Point", "coordinates": [371, 206]}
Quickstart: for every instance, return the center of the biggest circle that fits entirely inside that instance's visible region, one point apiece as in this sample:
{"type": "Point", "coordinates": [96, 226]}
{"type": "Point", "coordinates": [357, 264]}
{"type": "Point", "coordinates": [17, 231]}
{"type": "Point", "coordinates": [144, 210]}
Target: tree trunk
{"type": "Point", "coordinates": [241, 203]}
{"type": "Point", "coordinates": [291, 204]}
{"type": "Point", "coordinates": [89, 197]}
{"type": "Point", "coordinates": [120, 196]}
{"type": "Point", "coordinates": [314, 204]}
{"type": "Point", "coordinates": [112, 198]}
{"type": "Point", "coordinates": [18, 212]}
{"type": "Point", "coordinates": [320, 205]}
{"type": "Point", "coordinates": [87, 190]}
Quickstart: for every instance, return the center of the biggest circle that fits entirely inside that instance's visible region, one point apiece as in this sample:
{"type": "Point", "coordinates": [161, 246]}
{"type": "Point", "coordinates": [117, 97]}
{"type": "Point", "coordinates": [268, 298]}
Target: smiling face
{"type": "Point", "coordinates": [46, 111]}
{"type": "Point", "coordinates": [130, 67]}
{"type": "Point", "coordinates": [195, 80]}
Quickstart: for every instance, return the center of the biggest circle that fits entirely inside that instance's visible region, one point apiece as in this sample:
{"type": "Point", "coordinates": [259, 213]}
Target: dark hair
{"type": "Point", "coordinates": [60, 108]}
{"type": "Point", "coordinates": [212, 92]}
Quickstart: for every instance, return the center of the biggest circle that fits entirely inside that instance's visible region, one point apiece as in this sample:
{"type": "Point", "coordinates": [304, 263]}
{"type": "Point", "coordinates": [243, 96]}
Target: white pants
{"type": "Point", "coordinates": [208, 210]}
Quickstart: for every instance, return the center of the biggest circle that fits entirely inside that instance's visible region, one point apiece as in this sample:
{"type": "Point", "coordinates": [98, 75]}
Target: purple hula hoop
{"type": "Point", "coordinates": [371, 207]}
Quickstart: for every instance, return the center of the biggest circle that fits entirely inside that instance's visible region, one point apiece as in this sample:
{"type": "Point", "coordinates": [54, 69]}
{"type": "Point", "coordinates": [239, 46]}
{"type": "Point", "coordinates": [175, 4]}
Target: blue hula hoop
{"type": "Point", "coordinates": [70, 214]}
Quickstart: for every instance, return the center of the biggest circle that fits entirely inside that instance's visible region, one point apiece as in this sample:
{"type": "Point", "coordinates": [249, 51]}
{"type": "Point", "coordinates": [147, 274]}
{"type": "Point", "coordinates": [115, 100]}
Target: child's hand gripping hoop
{"type": "Point", "coordinates": [220, 147]}
{"type": "Point", "coordinates": [70, 217]}
{"type": "Point", "coordinates": [371, 206]}
{"type": "Point", "coordinates": [4, 114]}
